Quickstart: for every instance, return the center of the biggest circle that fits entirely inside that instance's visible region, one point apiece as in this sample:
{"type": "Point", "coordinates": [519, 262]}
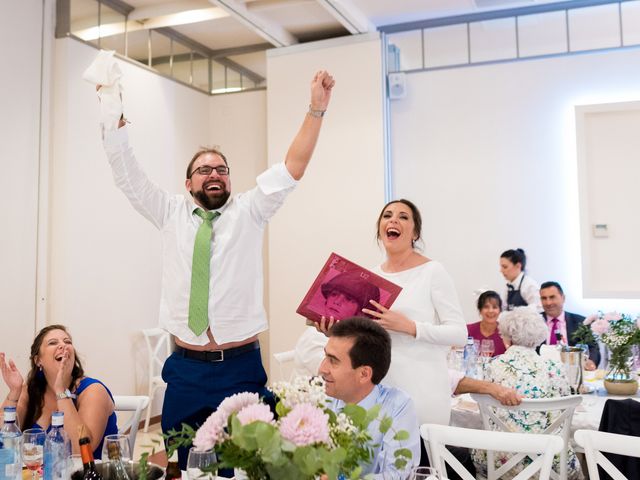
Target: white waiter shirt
{"type": "Point", "coordinates": [236, 311]}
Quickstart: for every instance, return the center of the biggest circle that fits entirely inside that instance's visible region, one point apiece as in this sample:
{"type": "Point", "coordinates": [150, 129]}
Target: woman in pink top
{"type": "Point", "coordinates": [489, 306]}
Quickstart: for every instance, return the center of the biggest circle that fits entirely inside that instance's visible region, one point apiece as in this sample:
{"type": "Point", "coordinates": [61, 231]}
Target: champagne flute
{"type": "Point", "coordinates": [32, 450]}
{"type": "Point", "coordinates": [424, 473]}
{"type": "Point", "coordinates": [201, 465]}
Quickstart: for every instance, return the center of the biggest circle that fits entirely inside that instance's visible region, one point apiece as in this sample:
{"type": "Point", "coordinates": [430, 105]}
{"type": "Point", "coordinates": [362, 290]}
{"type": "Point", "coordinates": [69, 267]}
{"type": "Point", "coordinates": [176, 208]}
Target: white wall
{"type": "Point", "coordinates": [488, 153]}
{"type": "Point", "coordinates": [20, 26]}
{"type": "Point", "coordinates": [337, 202]}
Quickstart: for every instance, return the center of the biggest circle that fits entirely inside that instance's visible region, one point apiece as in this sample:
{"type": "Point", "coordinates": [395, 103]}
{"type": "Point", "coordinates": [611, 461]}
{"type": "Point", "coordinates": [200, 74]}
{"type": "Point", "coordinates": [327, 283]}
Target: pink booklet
{"type": "Point", "coordinates": [342, 289]}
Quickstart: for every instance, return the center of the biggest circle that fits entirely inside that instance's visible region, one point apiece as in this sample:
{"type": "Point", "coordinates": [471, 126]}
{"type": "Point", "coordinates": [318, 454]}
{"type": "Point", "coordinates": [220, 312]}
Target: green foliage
{"type": "Point", "coordinates": [583, 334]}
{"type": "Point", "coordinates": [179, 438]}
{"type": "Point", "coordinates": [259, 449]}
{"type": "Point", "coordinates": [385, 424]}
{"type": "Point", "coordinates": [143, 462]}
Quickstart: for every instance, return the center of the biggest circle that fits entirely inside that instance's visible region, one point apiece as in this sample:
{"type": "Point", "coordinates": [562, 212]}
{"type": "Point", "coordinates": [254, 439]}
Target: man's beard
{"type": "Point", "coordinates": [211, 203]}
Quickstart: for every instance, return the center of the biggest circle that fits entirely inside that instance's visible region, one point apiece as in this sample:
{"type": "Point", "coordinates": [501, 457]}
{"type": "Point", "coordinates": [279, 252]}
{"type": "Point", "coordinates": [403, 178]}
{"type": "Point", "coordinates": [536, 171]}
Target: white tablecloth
{"type": "Point", "coordinates": [465, 413]}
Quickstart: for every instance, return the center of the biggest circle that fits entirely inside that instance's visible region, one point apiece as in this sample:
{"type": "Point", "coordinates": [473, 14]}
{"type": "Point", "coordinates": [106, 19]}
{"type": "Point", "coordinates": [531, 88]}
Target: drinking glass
{"type": "Point", "coordinates": [424, 473]}
{"type": "Point", "coordinates": [32, 450]}
{"type": "Point", "coordinates": [487, 347]}
{"type": "Point", "coordinates": [455, 359]}
{"type": "Point", "coordinates": [119, 443]}
{"type": "Point", "coordinates": [201, 465]}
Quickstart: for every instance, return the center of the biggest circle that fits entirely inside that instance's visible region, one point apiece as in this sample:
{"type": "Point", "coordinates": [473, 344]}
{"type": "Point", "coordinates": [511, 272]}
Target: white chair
{"type": "Point", "coordinates": [594, 443]}
{"type": "Point", "coordinates": [130, 403]}
{"type": "Point", "coordinates": [283, 359]}
{"type": "Point", "coordinates": [158, 349]}
{"type": "Point", "coordinates": [541, 448]}
{"type": "Point", "coordinates": [561, 426]}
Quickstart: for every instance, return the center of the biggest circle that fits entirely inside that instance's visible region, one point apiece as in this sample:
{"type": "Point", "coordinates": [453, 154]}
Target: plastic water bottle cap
{"type": "Point", "coordinates": [9, 414]}
{"type": "Point", "coordinates": [57, 419]}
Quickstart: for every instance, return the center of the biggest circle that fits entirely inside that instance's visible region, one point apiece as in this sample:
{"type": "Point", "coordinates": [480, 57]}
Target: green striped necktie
{"type": "Point", "coordinates": [199, 298]}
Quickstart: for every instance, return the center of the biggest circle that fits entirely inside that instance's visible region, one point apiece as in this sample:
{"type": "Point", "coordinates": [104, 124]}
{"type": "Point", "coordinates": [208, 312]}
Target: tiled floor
{"type": "Point", "coordinates": [147, 442]}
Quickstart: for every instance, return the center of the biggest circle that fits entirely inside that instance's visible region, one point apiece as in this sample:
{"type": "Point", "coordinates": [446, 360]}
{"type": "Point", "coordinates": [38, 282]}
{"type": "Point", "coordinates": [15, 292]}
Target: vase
{"type": "Point", "coordinates": [619, 379]}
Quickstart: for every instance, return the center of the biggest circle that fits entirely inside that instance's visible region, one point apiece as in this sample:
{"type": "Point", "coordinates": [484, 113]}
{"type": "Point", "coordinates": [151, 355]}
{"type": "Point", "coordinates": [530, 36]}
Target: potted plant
{"type": "Point", "coordinates": [306, 441]}
{"type": "Point", "coordinates": [619, 332]}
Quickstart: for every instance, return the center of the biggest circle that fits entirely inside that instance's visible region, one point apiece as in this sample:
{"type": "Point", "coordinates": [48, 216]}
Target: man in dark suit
{"type": "Point", "coordinates": [561, 322]}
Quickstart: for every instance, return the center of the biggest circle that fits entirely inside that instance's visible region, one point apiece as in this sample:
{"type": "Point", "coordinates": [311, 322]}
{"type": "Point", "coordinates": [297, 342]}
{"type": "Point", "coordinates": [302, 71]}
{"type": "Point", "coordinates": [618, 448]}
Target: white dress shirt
{"type": "Point", "coordinates": [309, 352]}
{"type": "Point", "coordinates": [236, 311]}
{"type": "Point", "coordinates": [529, 290]}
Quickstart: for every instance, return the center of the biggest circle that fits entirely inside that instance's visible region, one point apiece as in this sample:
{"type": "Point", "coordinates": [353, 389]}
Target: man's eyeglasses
{"type": "Point", "coordinates": [206, 170]}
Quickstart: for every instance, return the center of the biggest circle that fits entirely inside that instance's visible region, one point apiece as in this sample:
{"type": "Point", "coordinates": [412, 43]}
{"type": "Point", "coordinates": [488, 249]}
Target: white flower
{"type": "Point", "coordinates": [302, 389]}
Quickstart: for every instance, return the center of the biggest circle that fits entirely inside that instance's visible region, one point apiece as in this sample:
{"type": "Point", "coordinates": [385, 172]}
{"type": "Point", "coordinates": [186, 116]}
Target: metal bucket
{"type": "Point", "coordinates": [155, 472]}
{"type": "Point", "coordinates": [572, 358]}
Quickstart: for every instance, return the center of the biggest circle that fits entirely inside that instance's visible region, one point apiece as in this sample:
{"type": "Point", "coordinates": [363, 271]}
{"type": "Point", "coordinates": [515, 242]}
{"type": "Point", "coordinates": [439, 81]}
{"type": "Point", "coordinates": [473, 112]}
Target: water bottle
{"type": "Point", "coordinates": [10, 436]}
{"type": "Point", "coordinates": [57, 450]}
{"type": "Point", "coordinates": [470, 358]}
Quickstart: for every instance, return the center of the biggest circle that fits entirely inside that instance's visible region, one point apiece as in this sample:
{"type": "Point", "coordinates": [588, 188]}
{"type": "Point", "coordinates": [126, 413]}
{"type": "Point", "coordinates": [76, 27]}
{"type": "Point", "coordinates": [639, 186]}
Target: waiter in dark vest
{"type": "Point", "coordinates": [522, 290]}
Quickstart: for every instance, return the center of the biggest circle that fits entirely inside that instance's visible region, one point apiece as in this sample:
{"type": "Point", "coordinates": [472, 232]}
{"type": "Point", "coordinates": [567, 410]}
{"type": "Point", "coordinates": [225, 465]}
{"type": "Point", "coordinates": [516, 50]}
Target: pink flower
{"type": "Point", "coordinates": [600, 326]}
{"type": "Point", "coordinates": [590, 319]}
{"type": "Point", "coordinates": [211, 432]}
{"type": "Point", "coordinates": [612, 316]}
{"type": "Point", "coordinates": [305, 425]}
{"type": "Point", "coordinates": [255, 413]}
{"type": "Point", "coordinates": [237, 402]}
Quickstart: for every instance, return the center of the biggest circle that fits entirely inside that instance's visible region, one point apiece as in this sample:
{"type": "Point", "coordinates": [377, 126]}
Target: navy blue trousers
{"type": "Point", "coordinates": [195, 388]}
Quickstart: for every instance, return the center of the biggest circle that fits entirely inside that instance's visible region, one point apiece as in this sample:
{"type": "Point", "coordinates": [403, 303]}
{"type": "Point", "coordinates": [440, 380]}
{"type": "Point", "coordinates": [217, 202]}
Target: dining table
{"type": "Point", "coordinates": [465, 412]}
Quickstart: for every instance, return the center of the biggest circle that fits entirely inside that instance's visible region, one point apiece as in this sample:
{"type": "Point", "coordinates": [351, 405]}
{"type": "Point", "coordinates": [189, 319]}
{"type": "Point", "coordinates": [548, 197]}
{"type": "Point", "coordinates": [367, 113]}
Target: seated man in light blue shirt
{"type": "Point", "coordinates": [357, 357]}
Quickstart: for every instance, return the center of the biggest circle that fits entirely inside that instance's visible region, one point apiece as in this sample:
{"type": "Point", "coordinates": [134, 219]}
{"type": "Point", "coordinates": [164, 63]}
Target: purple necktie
{"type": "Point", "coordinates": [554, 327]}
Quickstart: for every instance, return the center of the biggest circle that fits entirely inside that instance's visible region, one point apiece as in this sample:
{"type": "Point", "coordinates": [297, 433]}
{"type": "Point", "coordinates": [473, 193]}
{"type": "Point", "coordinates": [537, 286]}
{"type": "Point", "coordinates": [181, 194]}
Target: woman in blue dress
{"type": "Point", "coordinates": [56, 382]}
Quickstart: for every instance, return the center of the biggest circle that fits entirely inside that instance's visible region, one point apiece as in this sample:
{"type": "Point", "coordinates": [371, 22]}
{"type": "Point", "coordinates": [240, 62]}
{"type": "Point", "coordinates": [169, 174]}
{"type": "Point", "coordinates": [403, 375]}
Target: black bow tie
{"type": "Point", "coordinates": [510, 287]}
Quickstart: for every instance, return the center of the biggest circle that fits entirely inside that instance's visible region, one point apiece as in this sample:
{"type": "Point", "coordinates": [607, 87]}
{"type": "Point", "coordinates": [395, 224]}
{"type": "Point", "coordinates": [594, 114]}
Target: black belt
{"type": "Point", "coordinates": [217, 355]}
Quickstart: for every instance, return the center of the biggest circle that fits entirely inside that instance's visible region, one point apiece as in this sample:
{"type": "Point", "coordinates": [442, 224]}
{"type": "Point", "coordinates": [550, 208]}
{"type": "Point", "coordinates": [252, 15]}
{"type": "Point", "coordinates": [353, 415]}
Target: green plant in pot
{"type": "Point", "coordinates": [619, 332]}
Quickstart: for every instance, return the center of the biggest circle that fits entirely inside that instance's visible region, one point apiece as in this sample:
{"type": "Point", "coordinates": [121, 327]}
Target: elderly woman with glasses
{"type": "Point", "coordinates": [532, 376]}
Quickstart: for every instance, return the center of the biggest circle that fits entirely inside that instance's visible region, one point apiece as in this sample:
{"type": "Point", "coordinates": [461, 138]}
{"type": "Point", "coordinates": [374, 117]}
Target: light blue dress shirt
{"type": "Point", "coordinates": [397, 405]}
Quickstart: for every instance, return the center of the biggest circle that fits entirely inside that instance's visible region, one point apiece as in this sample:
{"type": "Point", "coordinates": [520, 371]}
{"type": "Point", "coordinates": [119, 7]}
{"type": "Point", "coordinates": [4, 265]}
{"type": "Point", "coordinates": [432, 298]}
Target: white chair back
{"type": "Point", "coordinates": [561, 426]}
{"type": "Point", "coordinates": [158, 349]}
{"type": "Point", "coordinates": [594, 443]}
{"type": "Point", "coordinates": [541, 448]}
{"type": "Point", "coordinates": [283, 359]}
{"type": "Point", "coordinates": [130, 403]}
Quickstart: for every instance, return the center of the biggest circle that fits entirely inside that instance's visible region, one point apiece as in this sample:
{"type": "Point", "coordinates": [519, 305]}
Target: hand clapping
{"type": "Point", "coordinates": [10, 374]}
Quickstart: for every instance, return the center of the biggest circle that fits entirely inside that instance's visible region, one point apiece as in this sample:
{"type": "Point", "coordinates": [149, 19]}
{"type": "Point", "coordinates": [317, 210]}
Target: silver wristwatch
{"type": "Point", "coordinates": [316, 113]}
{"type": "Point", "coordinates": [65, 394]}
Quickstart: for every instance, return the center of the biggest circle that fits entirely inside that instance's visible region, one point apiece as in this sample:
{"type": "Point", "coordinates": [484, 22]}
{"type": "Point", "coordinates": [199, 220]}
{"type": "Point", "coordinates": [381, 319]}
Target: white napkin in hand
{"type": "Point", "coordinates": [106, 72]}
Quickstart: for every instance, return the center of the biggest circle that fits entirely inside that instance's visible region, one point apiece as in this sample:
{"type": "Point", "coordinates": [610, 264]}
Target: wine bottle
{"type": "Point", "coordinates": [173, 469]}
{"type": "Point", "coordinates": [90, 472]}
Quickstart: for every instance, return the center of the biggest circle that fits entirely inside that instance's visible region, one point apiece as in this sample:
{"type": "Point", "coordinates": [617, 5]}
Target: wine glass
{"type": "Point", "coordinates": [32, 450]}
{"type": "Point", "coordinates": [119, 445]}
{"type": "Point", "coordinates": [487, 347]}
{"type": "Point", "coordinates": [424, 473]}
{"type": "Point", "coordinates": [201, 465]}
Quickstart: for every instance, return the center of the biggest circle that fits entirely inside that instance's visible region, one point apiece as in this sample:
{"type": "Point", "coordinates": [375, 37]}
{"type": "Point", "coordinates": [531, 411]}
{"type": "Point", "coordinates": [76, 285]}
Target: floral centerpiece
{"type": "Point", "coordinates": [619, 332]}
{"type": "Point", "coordinates": [306, 441]}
